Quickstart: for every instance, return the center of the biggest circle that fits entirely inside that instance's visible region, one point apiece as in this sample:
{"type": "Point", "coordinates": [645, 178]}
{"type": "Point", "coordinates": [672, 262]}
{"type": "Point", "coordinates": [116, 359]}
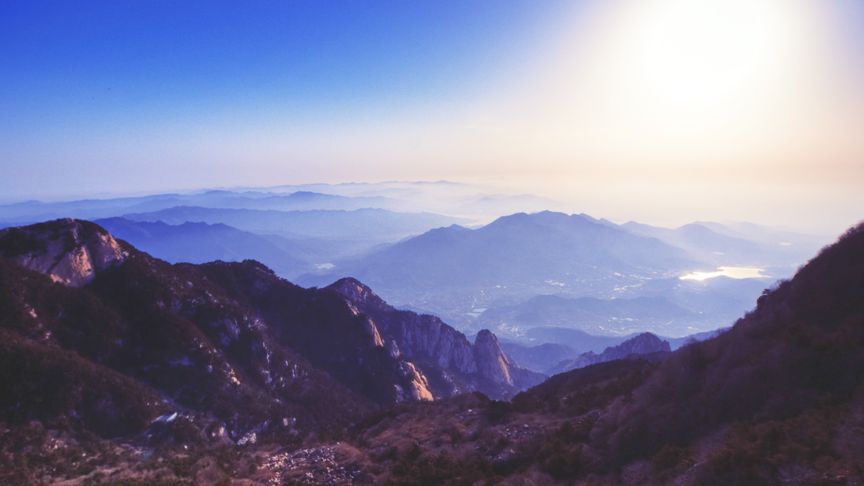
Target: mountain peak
{"type": "Point", "coordinates": [358, 293]}
{"type": "Point", "coordinates": [69, 251]}
{"type": "Point", "coordinates": [491, 360]}
{"type": "Point", "coordinates": [645, 343]}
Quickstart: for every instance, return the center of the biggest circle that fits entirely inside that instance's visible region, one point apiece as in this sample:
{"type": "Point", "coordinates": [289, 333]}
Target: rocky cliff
{"type": "Point", "coordinates": [491, 361]}
{"type": "Point", "coordinates": [68, 251]}
{"type": "Point", "coordinates": [453, 364]}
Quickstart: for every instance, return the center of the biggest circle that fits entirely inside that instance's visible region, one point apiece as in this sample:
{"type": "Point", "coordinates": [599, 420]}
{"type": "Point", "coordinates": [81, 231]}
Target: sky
{"type": "Point", "coordinates": [664, 111]}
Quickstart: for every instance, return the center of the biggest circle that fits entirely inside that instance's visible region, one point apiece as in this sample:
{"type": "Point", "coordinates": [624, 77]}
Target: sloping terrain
{"type": "Point", "coordinates": [777, 399]}
{"type": "Point", "coordinates": [226, 345]}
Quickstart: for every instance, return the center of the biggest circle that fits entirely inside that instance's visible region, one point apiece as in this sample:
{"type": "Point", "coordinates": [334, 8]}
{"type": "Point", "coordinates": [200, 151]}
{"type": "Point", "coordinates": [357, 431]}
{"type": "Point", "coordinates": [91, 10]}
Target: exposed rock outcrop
{"type": "Point", "coordinates": [417, 336]}
{"type": "Point", "coordinates": [491, 360]}
{"type": "Point", "coordinates": [453, 364]}
{"type": "Point", "coordinates": [69, 251]}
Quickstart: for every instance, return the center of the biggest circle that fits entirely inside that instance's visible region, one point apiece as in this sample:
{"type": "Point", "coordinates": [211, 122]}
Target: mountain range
{"type": "Point", "coordinates": [357, 229]}
{"type": "Point", "coordinates": [202, 242]}
{"type": "Point", "coordinates": [776, 399]}
{"type": "Point", "coordinates": [111, 331]}
{"type": "Point", "coordinates": [29, 211]}
{"type": "Point", "coordinates": [517, 273]}
{"type": "Point", "coordinates": [549, 269]}
{"type": "Point", "coordinates": [720, 246]}
{"type": "Point", "coordinates": [119, 367]}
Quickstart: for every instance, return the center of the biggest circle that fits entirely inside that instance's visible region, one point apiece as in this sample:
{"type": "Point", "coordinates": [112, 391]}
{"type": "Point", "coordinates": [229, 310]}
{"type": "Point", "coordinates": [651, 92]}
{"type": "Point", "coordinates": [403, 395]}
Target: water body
{"type": "Point", "coordinates": [731, 272]}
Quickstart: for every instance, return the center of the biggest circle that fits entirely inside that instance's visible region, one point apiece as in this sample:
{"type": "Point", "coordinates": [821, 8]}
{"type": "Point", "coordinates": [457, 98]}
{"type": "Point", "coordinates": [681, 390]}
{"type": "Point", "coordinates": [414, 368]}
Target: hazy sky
{"type": "Point", "coordinates": [659, 110]}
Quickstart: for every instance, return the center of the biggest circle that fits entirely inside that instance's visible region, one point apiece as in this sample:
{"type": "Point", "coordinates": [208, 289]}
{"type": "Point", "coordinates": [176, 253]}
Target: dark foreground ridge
{"type": "Point", "coordinates": [115, 366]}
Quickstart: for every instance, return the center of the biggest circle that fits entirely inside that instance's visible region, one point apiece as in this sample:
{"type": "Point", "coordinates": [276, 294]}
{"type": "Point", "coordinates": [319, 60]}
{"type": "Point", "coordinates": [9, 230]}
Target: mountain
{"type": "Point", "coordinates": [131, 323]}
{"type": "Point", "coordinates": [450, 361]}
{"type": "Point", "coordinates": [716, 246]}
{"type": "Point", "coordinates": [225, 346]}
{"type": "Point", "coordinates": [645, 343]}
{"type": "Point", "coordinates": [679, 342]}
{"type": "Point", "coordinates": [301, 200]}
{"type": "Point", "coordinates": [357, 230]}
{"type": "Point", "coordinates": [805, 244]}
{"type": "Point", "coordinates": [67, 252]}
{"type": "Point", "coordinates": [202, 242]}
{"type": "Point", "coordinates": [546, 356]}
{"type": "Point", "coordinates": [456, 272]}
{"type": "Point", "coordinates": [137, 376]}
{"type": "Point", "coordinates": [538, 358]}
{"type": "Point", "coordinates": [777, 399]}
{"type": "Point", "coordinates": [579, 341]}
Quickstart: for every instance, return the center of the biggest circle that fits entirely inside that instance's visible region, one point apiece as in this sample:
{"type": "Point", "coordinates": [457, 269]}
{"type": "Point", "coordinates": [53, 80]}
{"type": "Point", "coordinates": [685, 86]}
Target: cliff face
{"type": "Point", "coordinates": [491, 361]}
{"type": "Point", "coordinates": [416, 336]}
{"type": "Point", "coordinates": [69, 251]}
{"type": "Point", "coordinates": [453, 364]}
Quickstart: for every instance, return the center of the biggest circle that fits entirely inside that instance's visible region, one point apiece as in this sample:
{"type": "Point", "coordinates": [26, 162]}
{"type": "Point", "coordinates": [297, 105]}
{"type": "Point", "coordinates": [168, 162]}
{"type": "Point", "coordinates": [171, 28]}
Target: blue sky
{"type": "Point", "coordinates": [107, 65]}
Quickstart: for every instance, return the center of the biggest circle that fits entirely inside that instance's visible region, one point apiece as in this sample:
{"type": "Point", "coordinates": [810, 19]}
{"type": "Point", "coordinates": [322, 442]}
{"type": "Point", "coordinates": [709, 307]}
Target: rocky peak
{"type": "Point", "coordinates": [641, 344]}
{"type": "Point", "coordinates": [417, 337]}
{"type": "Point", "coordinates": [453, 362]}
{"type": "Point", "coordinates": [359, 294]}
{"type": "Point", "coordinates": [492, 363]}
{"type": "Point", "coordinates": [69, 251]}
{"type": "Point", "coordinates": [644, 343]}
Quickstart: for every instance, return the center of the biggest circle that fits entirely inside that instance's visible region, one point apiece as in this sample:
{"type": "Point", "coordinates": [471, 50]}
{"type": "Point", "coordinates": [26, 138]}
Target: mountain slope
{"type": "Point", "coordinates": [645, 343]}
{"type": "Point", "coordinates": [799, 350]}
{"type": "Point", "coordinates": [715, 245]}
{"type": "Point", "coordinates": [454, 271]}
{"type": "Point", "coordinates": [167, 328]}
{"type": "Point", "coordinates": [551, 245]}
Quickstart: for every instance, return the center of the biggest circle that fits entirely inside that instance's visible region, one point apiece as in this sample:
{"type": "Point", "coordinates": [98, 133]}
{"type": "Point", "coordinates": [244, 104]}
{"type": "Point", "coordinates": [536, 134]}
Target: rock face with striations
{"type": "Point", "coordinates": [69, 251]}
{"type": "Point", "coordinates": [445, 355]}
{"type": "Point", "coordinates": [416, 336]}
{"type": "Point", "coordinates": [491, 361]}
{"type": "Point", "coordinates": [642, 344]}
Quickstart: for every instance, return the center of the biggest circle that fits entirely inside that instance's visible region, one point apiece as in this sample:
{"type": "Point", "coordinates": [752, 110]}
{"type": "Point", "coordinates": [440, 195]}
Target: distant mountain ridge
{"type": "Point", "coordinates": [642, 344]}
{"type": "Point", "coordinates": [203, 242]}
{"type": "Point", "coordinates": [714, 244]}
{"type": "Point", "coordinates": [30, 211]}
{"type": "Point", "coordinates": [455, 269]}
{"type": "Point", "coordinates": [351, 230]}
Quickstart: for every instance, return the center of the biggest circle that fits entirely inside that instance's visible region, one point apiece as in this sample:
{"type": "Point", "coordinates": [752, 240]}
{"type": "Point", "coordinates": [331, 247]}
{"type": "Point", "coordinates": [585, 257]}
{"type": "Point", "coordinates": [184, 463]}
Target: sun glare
{"type": "Point", "coordinates": [675, 80]}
